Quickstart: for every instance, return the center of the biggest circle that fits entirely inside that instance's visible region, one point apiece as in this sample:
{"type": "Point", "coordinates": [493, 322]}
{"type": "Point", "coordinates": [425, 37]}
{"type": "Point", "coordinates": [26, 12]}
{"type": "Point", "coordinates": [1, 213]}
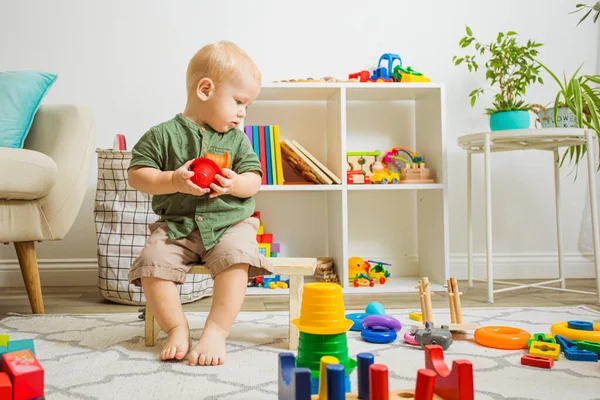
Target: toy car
{"type": "Point", "coordinates": [384, 177]}
{"type": "Point", "coordinates": [377, 272]}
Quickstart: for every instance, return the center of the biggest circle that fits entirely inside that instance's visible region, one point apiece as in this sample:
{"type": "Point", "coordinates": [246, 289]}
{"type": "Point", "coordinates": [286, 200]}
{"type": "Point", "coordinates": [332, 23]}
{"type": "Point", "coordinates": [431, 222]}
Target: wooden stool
{"type": "Point", "coordinates": [295, 268]}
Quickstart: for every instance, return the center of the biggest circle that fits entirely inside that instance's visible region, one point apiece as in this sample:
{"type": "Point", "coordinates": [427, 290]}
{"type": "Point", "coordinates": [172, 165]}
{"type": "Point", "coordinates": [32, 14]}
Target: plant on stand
{"type": "Point", "coordinates": [510, 70]}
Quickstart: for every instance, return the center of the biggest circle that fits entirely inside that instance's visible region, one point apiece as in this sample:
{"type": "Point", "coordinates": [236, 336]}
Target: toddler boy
{"type": "Point", "coordinates": [201, 225]}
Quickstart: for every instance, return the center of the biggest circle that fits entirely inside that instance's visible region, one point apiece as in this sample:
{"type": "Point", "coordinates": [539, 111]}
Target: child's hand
{"type": "Point", "coordinates": [228, 183]}
{"type": "Point", "coordinates": [182, 183]}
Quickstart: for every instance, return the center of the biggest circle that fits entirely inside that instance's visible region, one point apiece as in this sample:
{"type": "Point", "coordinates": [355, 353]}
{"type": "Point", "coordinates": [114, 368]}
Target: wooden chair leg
{"type": "Point", "coordinates": [31, 275]}
{"type": "Point", "coordinates": [296, 284]}
{"type": "Point", "coordinates": [151, 328]}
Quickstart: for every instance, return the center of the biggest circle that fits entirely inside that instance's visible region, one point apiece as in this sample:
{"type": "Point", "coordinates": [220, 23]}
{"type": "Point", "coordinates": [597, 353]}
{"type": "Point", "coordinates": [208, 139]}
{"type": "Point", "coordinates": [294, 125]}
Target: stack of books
{"type": "Point", "coordinates": [272, 151]}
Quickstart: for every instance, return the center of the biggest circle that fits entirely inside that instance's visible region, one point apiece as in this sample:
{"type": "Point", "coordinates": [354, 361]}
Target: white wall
{"type": "Point", "coordinates": [127, 60]}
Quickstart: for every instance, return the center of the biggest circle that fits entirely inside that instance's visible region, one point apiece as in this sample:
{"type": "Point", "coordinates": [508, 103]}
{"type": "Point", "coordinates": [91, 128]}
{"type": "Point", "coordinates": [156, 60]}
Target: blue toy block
{"type": "Point", "coordinates": [364, 362]}
{"type": "Point", "coordinates": [580, 355]}
{"type": "Point", "coordinates": [4, 339]}
{"type": "Point", "coordinates": [23, 344]}
{"type": "Point", "coordinates": [294, 383]}
{"type": "Point", "coordinates": [335, 382]}
{"type": "Point", "coordinates": [565, 343]}
{"type": "Point", "coordinates": [3, 350]}
{"type": "Point", "coordinates": [581, 325]}
{"type": "Point", "coordinates": [314, 385]}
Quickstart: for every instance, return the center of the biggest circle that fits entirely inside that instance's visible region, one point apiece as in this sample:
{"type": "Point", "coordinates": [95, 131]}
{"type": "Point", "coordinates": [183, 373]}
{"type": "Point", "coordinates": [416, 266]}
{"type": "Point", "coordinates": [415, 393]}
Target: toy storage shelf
{"type": "Point", "coordinates": [405, 225]}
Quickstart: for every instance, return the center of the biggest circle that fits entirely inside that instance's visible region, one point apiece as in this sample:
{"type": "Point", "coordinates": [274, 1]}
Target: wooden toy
{"type": "Point", "coordinates": [26, 374]}
{"type": "Point", "coordinates": [434, 382]}
{"type": "Point", "coordinates": [362, 161]}
{"type": "Point", "coordinates": [536, 361]}
{"type": "Point", "coordinates": [5, 386]}
{"type": "Point", "coordinates": [357, 177]}
{"type": "Point", "coordinates": [410, 165]}
{"type": "Point", "coordinates": [456, 319]}
{"type": "Point", "coordinates": [543, 349]}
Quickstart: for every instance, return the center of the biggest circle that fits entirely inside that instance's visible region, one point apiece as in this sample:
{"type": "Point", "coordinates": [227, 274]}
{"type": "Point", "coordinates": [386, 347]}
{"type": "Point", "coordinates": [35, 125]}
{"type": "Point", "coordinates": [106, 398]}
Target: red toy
{"type": "Point", "coordinates": [205, 168]}
{"type": "Point", "coordinates": [5, 386]}
{"type": "Point", "coordinates": [455, 384]}
{"type": "Point", "coordinates": [537, 361]}
{"type": "Point", "coordinates": [26, 374]}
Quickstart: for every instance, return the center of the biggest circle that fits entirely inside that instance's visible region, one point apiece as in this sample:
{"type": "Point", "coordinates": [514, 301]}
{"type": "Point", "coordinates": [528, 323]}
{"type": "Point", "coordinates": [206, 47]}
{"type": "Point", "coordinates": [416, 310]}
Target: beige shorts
{"type": "Point", "coordinates": [170, 260]}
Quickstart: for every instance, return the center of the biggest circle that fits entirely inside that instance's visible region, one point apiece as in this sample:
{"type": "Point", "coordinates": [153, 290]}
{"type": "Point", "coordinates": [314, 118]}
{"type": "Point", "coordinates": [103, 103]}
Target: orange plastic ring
{"type": "Point", "coordinates": [502, 337]}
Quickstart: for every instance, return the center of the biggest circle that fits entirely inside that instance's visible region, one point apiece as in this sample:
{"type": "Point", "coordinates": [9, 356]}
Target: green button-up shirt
{"type": "Point", "coordinates": [171, 144]}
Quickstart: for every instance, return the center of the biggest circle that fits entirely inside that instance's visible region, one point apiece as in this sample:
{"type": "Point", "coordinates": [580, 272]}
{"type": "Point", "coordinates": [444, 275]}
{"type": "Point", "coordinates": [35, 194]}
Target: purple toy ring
{"type": "Point", "coordinates": [381, 321]}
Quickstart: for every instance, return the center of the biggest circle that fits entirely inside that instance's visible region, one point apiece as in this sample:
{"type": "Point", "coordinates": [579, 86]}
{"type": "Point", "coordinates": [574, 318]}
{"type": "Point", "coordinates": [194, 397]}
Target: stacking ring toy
{"type": "Point", "coordinates": [357, 318]}
{"type": "Point", "coordinates": [502, 337]}
{"type": "Point", "coordinates": [410, 339]}
{"type": "Point", "coordinates": [378, 335]}
{"type": "Point", "coordinates": [562, 329]}
{"type": "Point", "coordinates": [382, 321]}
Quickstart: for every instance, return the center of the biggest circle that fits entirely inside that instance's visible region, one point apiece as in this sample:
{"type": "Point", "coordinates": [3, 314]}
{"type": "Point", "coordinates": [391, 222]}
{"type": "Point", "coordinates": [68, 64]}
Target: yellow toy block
{"type": "Point", "coordinates": [543, 349]}
{"type": "Point", "coordinates": [267, 247]}
{"type": "Point", "coordinates": [416, 316]}
{"type": "Point", "coordinates": [261, 229]}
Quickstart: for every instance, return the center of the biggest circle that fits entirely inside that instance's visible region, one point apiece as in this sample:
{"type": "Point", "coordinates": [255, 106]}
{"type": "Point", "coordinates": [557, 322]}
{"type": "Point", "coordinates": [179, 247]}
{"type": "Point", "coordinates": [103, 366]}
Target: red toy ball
{"type": "Point", "coordinates": [204, 172]}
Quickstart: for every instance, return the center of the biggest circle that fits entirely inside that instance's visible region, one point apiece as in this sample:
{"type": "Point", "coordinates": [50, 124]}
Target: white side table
{"type": "Point", "coordinates": [550, 139]}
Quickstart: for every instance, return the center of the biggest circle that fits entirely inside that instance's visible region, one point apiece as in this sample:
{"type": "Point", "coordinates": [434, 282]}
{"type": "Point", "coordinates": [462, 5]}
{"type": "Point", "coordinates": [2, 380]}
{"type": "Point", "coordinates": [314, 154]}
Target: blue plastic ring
{"type": "Point", "coordinates": [357, 318]}
{"type": "Point", "coordinates": [378, 335]}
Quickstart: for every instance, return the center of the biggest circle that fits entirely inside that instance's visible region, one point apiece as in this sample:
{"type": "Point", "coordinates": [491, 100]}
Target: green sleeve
{"type": "Point", "coordinates": [148, 151]}
{"type": "Point", "coordinates": [245, 158]}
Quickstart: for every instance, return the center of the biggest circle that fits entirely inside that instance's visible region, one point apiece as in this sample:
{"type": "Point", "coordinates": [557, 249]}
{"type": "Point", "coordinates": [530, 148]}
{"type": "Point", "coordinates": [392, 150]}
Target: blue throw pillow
{"type": "Point", "coordinates": [21, 93]}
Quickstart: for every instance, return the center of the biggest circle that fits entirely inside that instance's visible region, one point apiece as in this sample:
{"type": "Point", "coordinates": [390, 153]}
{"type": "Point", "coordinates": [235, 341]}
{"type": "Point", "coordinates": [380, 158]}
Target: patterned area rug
{"type": "Point", "coordinates": [103, 357]}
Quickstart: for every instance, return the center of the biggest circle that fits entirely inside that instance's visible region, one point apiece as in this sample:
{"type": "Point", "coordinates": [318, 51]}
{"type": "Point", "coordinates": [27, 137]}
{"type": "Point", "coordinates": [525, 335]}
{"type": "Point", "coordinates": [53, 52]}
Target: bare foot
{"type": "Point", "coordinates": [178, 344]}
{"type": "Point", "coordinates": [210, 349]}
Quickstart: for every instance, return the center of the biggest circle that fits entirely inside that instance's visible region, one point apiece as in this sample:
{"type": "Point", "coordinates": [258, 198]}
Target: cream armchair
{"type": "Point", "coordinates": [42, 185]}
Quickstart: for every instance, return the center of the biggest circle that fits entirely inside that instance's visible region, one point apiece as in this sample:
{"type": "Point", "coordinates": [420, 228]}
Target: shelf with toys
{"type": "Point", "coordinates": [402, 222]}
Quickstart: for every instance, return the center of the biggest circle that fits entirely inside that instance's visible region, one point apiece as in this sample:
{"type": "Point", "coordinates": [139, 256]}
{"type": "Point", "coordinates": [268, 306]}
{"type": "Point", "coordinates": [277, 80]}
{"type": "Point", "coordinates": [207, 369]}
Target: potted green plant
{"type": "Point", "coordinates": [581, 7]}
{"type": "Point", "coordinates": [578, 98]}
{"type": "Point", "coordinates": [510, 70]}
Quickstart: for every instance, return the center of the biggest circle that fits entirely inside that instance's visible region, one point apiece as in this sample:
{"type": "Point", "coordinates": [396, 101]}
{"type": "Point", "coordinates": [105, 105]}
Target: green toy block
{"type": "Point", "coordinates": [589, 346]}
{"type": "Point", "coordinates": [23, 344]}
{"type": "Point", "coordinates": [273, 255]}
{"type": "Point", "coordinates": [540, 337]}
{"type": "Point", "coordinates": [4, 339]}
{"type": "Point", "coordinates": [2, 351]}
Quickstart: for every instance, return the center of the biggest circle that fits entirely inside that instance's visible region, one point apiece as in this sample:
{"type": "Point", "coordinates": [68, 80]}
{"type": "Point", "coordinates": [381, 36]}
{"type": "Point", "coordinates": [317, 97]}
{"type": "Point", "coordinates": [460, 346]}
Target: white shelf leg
{"type": "Point", "coordinates": [488, 219]}
{"type": "Point", "coordinates": [296, 286]}
{"type": "Point", "coordinates": [593, 207]}
{"type": "Point", "coordinates": [561, 257]}
{"type": "Point", "coordinates": [469, 220]}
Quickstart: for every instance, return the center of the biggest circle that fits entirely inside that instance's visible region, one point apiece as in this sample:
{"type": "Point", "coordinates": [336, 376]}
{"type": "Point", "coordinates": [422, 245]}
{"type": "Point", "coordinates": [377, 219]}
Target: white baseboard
{"type": "Point", "coordinates": [84, 271]}
{"type": "Point", "coordinates": [525, 266]}
{"type": "Point", "coordinates": [53, 272]}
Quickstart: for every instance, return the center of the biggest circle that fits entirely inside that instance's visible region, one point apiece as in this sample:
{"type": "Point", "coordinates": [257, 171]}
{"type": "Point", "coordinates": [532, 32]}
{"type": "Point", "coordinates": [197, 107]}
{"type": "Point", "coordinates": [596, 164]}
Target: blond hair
{"type": "Point", "coordinates": [218, 61]}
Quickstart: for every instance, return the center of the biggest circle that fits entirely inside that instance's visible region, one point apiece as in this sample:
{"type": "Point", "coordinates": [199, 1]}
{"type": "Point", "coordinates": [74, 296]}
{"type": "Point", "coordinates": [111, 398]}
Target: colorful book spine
{"type": "Point", "coordinates": [266, 143]}
{"type": "Point", "coordinates": [268, 155]}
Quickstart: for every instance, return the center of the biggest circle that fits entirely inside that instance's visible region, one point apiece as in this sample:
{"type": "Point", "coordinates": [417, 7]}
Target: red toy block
{"type": "Point", "coordinates": [425, 387]}
{"type": "Point", "coordinates": [537, 361]}
{"type": "Point", "coordinates": [259, 238]}
{"type": "Point", "coordinates": [5, 386]}
{"type": "Point", "coordinates": [455, 384]}
{"type": "Point", "coordinates": [256, 214]}
{"type": "Point", "coordinates": [267, 238]}
{"type": "Point", "coordinates": [378, 374]}
{"type": "Point", "coordinates": [26, 373]}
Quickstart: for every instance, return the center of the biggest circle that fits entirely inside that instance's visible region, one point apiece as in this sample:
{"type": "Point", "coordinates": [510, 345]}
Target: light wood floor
{"type": "Point", "coordinates": [87, 300]}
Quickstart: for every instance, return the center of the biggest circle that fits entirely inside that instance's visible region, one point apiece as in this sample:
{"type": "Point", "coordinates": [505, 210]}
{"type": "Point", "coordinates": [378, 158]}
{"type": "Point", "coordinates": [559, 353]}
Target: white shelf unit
{"type": "Point", "coordinates": [405, 225]}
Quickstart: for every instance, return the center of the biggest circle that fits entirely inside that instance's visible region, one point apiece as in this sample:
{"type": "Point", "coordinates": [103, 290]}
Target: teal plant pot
{"type": "Point", "coordinates": [506, 120]}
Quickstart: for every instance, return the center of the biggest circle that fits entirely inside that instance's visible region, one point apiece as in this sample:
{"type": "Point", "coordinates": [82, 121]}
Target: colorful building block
{"type": "Point", "coordinates": [259, 238]}
{"type": "Point", "coordinates": [543, 349]}
{"type": "Point", "coordinates": [580, 355]}
{"type": "Point", "coordinates": [588, 345]}
{"type": "Point", "coordinates": [267, 238]}
{"type": "Point", "coordinates": [454, 384]}
{"type": "Point", "coordinates": [537, 361]}
{"type": "Point", "coordinates": [540, 337]}
{"type": "Point", "coordinates": [4, 339]}
{"type": "Point", "coordinates": [5, 386]}
{"type": "Point", "coordinates": [580, 325]}
{"type": "Point", "coordinates": [275, 248]}
{"type": "Point", "coordinates": [26, 374]}
{"type": "Point", "coordinates": [565, 343]}
{"type": "Point", "coordinates": [23, 344]}
{"type": "Point", "coordinates": [264, 249]}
